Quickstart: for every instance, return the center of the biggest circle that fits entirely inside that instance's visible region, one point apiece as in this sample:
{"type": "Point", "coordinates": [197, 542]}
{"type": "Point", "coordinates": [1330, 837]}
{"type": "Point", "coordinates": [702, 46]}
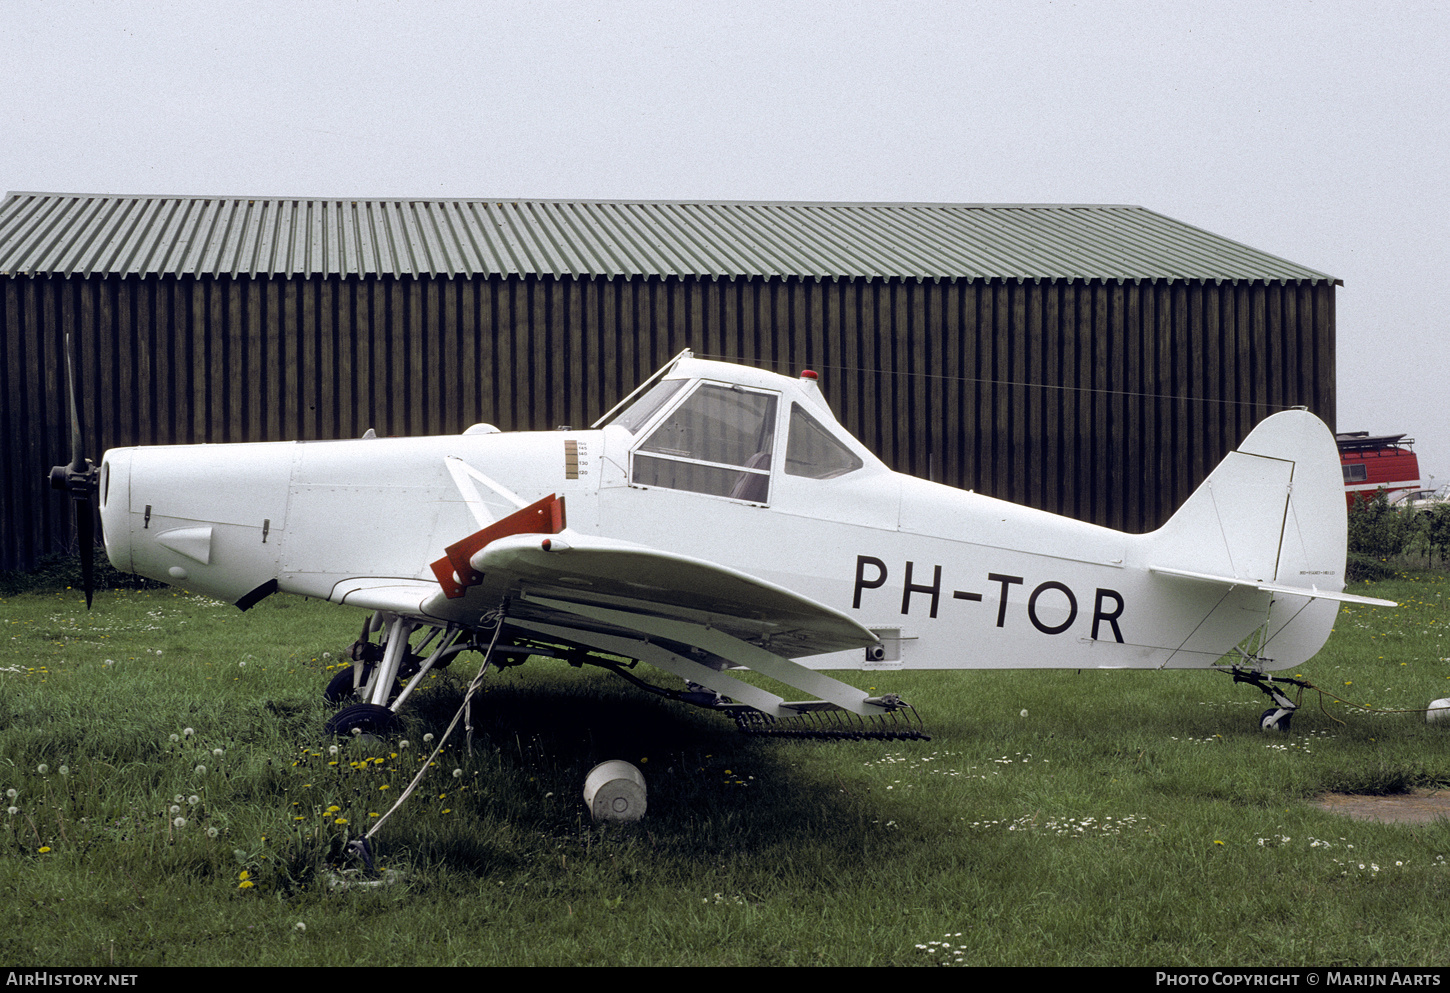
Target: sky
{"type": "Point", "coordinates": [1319, 132]}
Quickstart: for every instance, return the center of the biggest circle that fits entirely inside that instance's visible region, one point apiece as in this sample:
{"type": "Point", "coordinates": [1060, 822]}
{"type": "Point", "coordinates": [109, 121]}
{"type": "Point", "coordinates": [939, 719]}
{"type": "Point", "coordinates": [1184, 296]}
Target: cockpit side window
{"type": "Point", "coordinates": [719, 441]}
{"type": "Point", "coordinates": [814, 452]}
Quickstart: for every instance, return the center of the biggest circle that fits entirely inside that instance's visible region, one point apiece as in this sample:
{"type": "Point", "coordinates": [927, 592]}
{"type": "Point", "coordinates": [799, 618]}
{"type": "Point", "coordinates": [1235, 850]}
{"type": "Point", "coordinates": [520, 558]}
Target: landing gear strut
{"type": "Point", "coordinates": [1278, 716]}
{"type": "Point", "coordinates": [1251, 670]}
{"type": "Point", "coordinates": [376, 679]}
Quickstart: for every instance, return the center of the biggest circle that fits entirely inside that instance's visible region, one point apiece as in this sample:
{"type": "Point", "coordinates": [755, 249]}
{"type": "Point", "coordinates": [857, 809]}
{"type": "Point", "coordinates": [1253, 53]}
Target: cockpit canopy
{"type": "Point", "coordinates": [713, 428]}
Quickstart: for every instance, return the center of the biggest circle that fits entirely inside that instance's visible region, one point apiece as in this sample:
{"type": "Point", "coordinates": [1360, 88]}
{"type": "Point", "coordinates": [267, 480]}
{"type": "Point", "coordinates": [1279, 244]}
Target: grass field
{"type": "Point", "coordinates": [172, 801]}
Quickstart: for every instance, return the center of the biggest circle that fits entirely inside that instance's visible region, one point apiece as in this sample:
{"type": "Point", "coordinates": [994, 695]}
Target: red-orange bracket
{"type": "Point", "coordinates": [455, 570]}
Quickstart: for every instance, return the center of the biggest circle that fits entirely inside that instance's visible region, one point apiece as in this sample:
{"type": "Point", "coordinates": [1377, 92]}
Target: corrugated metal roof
{"type": "Point", "coordinates": [83, 235]}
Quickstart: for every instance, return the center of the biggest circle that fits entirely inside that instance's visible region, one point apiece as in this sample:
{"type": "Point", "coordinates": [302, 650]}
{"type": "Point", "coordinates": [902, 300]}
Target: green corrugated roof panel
{"type": "Point", "coordinates": [78, 234]}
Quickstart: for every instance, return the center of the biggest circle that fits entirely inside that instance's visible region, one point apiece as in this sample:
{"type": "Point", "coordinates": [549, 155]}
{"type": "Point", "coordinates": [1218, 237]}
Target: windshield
{"type": "Point", "coordinates": [631, 418]}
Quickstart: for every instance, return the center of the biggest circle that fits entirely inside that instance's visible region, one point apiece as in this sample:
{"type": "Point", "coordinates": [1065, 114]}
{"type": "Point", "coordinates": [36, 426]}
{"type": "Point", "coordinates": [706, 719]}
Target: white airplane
{"type": "Point", "coordinates": [719, 518]}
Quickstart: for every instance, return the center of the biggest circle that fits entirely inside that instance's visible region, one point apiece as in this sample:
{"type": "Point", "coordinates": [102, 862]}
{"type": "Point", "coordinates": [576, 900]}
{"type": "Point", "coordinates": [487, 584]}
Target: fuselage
{"type": "Point", "coordinates": [946, 578]}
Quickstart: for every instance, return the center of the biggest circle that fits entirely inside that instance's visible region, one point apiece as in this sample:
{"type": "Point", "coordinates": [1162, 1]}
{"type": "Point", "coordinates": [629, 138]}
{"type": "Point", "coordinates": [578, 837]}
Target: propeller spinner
{"type": "Point", "coordinates": [79, 480]}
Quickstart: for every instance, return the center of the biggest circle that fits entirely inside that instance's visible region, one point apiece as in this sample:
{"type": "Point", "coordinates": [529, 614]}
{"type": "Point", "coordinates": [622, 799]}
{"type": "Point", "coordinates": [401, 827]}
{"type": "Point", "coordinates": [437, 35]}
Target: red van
{"type": "Point", "coordinates": [1378, 462]}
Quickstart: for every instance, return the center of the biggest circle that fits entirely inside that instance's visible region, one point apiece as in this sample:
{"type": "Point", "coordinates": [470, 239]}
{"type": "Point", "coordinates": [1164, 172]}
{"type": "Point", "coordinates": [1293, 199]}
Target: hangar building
{"type": "Point", "coordinates": [1095, 361]}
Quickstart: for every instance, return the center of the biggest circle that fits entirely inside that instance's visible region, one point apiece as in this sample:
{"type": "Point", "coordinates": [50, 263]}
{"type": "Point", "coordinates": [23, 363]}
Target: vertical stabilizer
{"type": "Point", "coordinates": [1271, 515]}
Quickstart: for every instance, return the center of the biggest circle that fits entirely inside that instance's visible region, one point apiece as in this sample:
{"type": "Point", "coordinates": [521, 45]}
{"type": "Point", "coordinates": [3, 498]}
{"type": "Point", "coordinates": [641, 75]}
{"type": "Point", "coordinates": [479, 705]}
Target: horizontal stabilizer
{"type": "Point", "coordinates": [1304, 591]}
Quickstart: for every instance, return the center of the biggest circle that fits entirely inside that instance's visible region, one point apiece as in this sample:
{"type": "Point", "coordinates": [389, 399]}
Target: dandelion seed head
{"type": "Point", "coordinates": [43, 769]}
{"type": "Point", "coordinates": [188, 732]}
{"type": "Point", "coordinates": [179, 823]}
{"type": "Point", "coordinates": [201, 770]}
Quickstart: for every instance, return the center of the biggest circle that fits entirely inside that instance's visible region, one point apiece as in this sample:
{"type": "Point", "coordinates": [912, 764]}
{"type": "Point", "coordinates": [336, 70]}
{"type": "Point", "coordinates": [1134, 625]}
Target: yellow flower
{"type": "Point", "coordinates": [245, 885]}
{"type": "Point", "coordinates": [340, 820]}
{"type": "Point", "coordinates": [44, 849]}
{"type": "Point", "coordinates": [244, 875]}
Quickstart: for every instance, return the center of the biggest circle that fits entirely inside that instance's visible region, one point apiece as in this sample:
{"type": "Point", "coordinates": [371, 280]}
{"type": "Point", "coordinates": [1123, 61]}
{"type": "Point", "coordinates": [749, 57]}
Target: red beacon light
{"type": "Point", "coordinates": [809, 374]}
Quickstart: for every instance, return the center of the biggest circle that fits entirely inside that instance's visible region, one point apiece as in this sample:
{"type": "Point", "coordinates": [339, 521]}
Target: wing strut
{"type": "Point", "coordinates": [832, 692]}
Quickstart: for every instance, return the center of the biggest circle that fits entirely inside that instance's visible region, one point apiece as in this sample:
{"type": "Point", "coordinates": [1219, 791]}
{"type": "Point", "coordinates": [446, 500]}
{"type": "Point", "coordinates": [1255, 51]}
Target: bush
{"type": "Point", "coordinates": [1379, 531]}
{"type": "Point", "coordinates": [1437, 531]}
{"type": "Point", "coordinates": [60, 570]}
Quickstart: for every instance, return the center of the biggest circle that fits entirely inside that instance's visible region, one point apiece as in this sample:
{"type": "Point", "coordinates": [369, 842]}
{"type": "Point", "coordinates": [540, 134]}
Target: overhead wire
{"type": "Point", "coordinates": [980, 381]}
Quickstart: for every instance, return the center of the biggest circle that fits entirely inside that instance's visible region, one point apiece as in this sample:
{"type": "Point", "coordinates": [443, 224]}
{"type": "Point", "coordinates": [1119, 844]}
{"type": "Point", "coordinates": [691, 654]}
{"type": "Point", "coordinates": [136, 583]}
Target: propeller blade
{"type": "Point", "coordinates": [78, 481]}
{"type": "Point", "coordinates": [86, 535]}
{"type": "Point", "coordinates": [77, 452]}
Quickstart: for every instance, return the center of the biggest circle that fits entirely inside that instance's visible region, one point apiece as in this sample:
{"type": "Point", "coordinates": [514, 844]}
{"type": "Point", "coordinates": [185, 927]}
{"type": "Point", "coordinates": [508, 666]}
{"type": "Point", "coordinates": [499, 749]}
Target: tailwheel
{"type": "Point", "coordinates": [1278, 716]}
{"type": "Point", "coordinates": [364, 718]}
{"type": "Point", "coordinates": [1275, 718]}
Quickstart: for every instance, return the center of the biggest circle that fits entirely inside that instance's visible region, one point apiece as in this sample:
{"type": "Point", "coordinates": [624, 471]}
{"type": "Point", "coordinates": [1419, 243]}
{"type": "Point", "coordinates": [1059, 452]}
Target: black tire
{"type": "Point", "coordinates": [339, 689]}
{"type": "Point", "coordinates": [1282, 724]}
{"type": "Point", "coordinates": [368, 718]}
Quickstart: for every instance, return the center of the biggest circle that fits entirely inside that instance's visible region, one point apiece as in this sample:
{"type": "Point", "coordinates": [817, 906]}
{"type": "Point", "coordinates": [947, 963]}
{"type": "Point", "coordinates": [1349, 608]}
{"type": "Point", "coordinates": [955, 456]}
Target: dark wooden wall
{"type": "Point", "coordinates": [1101, 400]}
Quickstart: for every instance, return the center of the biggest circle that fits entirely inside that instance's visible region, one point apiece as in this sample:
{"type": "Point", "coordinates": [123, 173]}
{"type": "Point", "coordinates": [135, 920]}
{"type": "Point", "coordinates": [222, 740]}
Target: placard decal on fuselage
{"type": "Point", "coordinates": [576, 458]}
{"type": "Point", "coordinates": [1061, 592]}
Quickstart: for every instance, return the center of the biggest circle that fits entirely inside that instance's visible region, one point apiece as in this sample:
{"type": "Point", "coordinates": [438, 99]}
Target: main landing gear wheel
{"type": "Point", "coordinates": [367, 718]}
{"type": "Point", "coordinates": [340, 689]}
{"type": "Point", "coordinates": [1275, 719]}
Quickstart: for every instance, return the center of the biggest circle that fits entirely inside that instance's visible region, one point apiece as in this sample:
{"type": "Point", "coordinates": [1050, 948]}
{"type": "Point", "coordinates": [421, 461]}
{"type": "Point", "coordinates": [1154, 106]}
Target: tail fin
{"type": "Point", "coordinates": [1271, 517]}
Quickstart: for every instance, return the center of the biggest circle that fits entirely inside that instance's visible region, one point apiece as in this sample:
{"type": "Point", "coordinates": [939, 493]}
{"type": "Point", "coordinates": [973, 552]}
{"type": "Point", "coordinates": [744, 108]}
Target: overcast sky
{"type": "Point", "coordinates": [1314, 131]}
